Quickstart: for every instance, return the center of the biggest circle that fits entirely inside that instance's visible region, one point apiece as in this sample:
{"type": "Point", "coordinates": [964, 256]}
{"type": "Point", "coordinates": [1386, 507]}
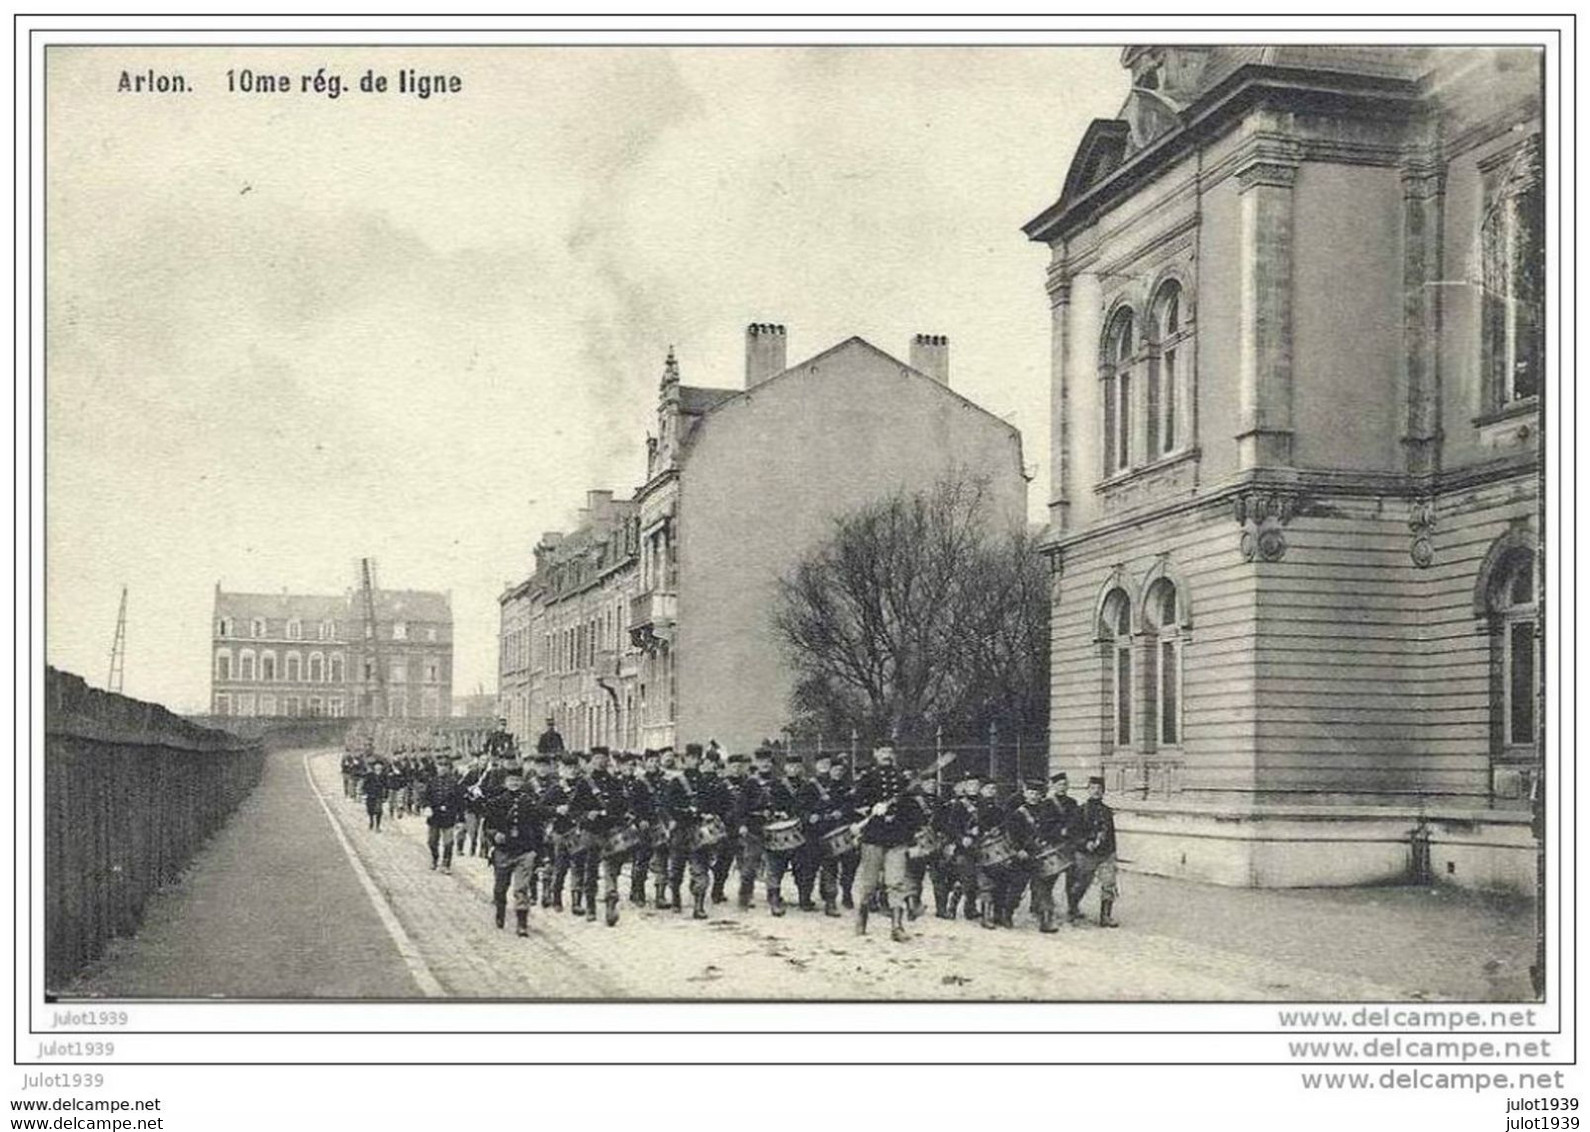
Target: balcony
{"type": "Point", "coordinates": [652, 617]}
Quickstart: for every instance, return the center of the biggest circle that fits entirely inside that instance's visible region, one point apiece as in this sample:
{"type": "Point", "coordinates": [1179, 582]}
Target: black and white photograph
{"type": "Point", "coordinates": [848, 523]}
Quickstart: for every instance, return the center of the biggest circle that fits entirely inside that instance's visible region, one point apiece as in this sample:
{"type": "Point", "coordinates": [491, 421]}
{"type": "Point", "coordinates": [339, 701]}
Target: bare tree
{"type": "Point", "coordinates": [912, 616]}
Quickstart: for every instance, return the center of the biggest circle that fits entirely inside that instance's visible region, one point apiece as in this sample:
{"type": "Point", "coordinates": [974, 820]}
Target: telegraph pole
{"type": "Point", "coordinates": [118, 648]}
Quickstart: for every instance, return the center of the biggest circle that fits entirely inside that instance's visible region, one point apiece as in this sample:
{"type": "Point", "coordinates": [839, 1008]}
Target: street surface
{"type": "Point", "coordinates": [275, 907]}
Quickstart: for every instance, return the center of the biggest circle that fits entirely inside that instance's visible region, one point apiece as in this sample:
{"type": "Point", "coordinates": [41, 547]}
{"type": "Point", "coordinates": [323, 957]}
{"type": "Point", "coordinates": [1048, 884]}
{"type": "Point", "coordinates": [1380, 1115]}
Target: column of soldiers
{"type": "Point", "coordinates": [683, 821]}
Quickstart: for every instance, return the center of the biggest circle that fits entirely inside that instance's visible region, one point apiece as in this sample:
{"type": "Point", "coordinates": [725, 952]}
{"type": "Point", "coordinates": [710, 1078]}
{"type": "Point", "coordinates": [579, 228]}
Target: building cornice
{"type": "Point", "coordinates": [1216, 113]}
{"type": "Point", "coordinates": [1293, 483]}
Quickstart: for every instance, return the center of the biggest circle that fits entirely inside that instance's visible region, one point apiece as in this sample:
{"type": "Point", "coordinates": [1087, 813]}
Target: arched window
{"type": "Point", "coordinates": [223, 667]}
{"type": "Point", "coordinates": [317, 668]}
{"type": "Point", "coordinates": [1115, 373]}
{"type": "Point", "coordinates": [1167, 372]}
{"type": "Point", "coordinates": [1162, 662]}
{"type": "Point", "coordinates": [336, 668]}
{"type": "Point", "coordinates": [1115, 631]}
{"type": "Point", "coordinates": [245, 665]}
{"type": "Point", "coordinates": [1513, 610]}
{"type": "Point", "coordinates": [294, 667]}
{"type": "Point", "coordinates": [267, 668]}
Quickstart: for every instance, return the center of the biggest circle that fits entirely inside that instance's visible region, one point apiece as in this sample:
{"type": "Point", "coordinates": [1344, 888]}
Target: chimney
{"type": "Point", "coordinates": [598, 503]}
{"type": "Point", "coordinates": [930, 353]}
{"type": "Point", "coordinates": [764, 352]}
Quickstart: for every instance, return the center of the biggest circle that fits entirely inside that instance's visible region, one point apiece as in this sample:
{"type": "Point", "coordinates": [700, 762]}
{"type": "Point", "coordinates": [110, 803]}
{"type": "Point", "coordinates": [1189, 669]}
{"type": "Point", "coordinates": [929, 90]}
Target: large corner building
{"type": "Point", "coordinates": [1297, 305]}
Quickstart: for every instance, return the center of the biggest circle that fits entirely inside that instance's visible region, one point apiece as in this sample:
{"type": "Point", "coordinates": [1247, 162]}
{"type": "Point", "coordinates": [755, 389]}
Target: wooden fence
{"type": "Point", "coordinates": [130, 793]}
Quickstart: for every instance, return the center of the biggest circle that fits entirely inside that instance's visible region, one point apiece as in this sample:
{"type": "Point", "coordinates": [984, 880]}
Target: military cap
{"type": "Point", "coordinates": [971, 776]}
{"type": "Point", "coordinates": [1059, 776]}
{"type": "Point", "coordinates": [693, 749]}
{"type": "Point", "coordinates": [600, 750]}
{"type": "Point", "coordinates": [650, 753]}
{"type": "Point", "coordinates": [739, 758]}
{"type": "Point", "coordinates": [1037, 784]}
{"type": "Point", "coordinates": [568, 758]}
{"type": "Point", "coordinates": [1095, 780]}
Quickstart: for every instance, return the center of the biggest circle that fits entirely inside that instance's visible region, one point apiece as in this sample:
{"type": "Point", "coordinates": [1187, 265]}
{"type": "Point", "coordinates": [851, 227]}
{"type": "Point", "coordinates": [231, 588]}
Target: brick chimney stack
{"type": "Point", "coordinates": [930, 353]}
{"type": "Point", "coordinates": [764, 352]}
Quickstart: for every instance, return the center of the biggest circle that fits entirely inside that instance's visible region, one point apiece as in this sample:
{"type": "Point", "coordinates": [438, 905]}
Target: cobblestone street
{"type": "Point", "coordinates": [228, 935]}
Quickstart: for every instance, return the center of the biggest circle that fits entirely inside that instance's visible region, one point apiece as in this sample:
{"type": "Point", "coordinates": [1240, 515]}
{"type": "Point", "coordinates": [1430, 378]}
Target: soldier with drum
{"type": "Point", "coordinates": [643, 806]}
{"type": "Point", "coordinates": [831, 834]}
{"type": "Point", "coordinates": [782, 835]}
{"type": "Point", "coordinates": [717, 800]}
{"type": "Point", "coordinates": [444, 797]}
{"type": "Point", "coordinates": [558, 800]}
{"type": "Point", "coordinates": [694, 835]}
{"type": "Point", "coordinates": [751, 810]}
{"type": "Point", "coordinates": [610, 836]}
{"type": "Point", "coordinates": [727, 854]}
{"type": "Point", "coordinates": [994, 855]}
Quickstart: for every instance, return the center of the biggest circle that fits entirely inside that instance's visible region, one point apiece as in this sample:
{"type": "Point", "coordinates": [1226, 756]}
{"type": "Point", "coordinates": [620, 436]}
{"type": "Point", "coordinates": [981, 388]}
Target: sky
{"type": "Point", "coordinates": [285, 331]}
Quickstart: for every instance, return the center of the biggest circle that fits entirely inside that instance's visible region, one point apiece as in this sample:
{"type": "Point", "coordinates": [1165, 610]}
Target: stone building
{"type": "Point", "coordinates": [310, 655]}
{"type": "Point", "coordinates": [741, 483]}
{"type": "Point", "coordinates": [1297, 325]}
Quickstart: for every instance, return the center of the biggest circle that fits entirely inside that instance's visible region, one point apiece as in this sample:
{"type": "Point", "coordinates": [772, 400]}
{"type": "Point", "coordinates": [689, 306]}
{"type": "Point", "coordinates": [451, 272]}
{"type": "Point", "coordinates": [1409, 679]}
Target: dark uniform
{"type": "Point", "coordinates": [604, 809]}
{"type": "Point", "coordinates": [727, 854]}
{"type": "Point", "coordinates": [1094, 856]}
{"type": "Point", "coordinates": [644, 807]}
{"type": "Point", "coordinates": [751, 807]}
{"type": "Point", "coordinates": [842, 790]}
{"type": "Point", "coordinates": [550, 742]}
{"type": "Point", "coordinates": [781, 805]}
{"type": "Point", "coordinates": [397, 781]}
{"type": "Point", "coordinates": [373, 787]}
{"type": "Point", "coordinates": [884, 837]}
{"type": "Point", "coordinates": [661, 848]}
{"type": "Point", "coordinates": [513, 820]}
{"type": "Point", "coordinates": [924, 860]}
{"type": "Point", "coordinates": [559, 796]}
{"type": "Point", "coordinates": [995, 883]}
{"type": "Point", "coordinates": [686, 807]}
{"type": "Point", "coordinates": [474, 782]}
{"type": "Point", "coordinates": [821, 812]}
{"type": "Point", "coordinates": [444, 795]}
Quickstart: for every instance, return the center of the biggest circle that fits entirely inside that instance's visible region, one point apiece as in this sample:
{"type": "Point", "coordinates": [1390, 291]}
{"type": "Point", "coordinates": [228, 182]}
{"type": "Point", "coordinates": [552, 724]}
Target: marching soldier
{"type": "Point", "coordinates": [374, 789]}
{"type": "Point", "coordinates": [686, 808]}
{"type": "Point", "coordinates": [782, 806]}
{"type": "Point", "coordinates": [500, 744]}
{"type": "Point", "coordinates": [993, 880]}
{"type": "Point", "coordinates": [959, 822]}
{"type": "Point", "coordinates": [513, 821]}
{"type": "Point", "coordinates": [892, 821]}
{"type": "Point", "coordinates": [727, 853]}
{"type": "Point", "coordinates": [842, 792]}
{"type": "Point", "coordinates": [717, 799]}
{"type": "Point", "coordinates": [607, 811]}
{"type": "Point", "coordinates": [397, 781]}
{"type": "Point", "coordinates": [1094, 856]}
{"type": "Point", "coordinates": [558, 801]}
{"type": "Point", "coordinates": [474, 782]}
{"type": "Point", "coordinates": [660, 769]}
{"type": "Point", "coordinates": [444, 796]}
{"type": "Point", "coordinates": [549, 742]}
{"type": "Point", "coordinates": [750, 813]}
{"type": "Point", "coordinates": [822, 811]}
{"type": "Point", "coordinates": [919, 861]}
{"type": "Point", "coordinates": [643, 806]}
{"type": "Point", "coordinates": [1034, 827]}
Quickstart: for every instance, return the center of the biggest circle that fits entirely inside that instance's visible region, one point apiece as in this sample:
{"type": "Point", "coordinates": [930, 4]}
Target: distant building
{"type": "Point", "coordinates": [1298, 337]}
{"type": "Point", "coordinates": [649, 625]}
{"type": "Point", "coordinates": [308, 655]}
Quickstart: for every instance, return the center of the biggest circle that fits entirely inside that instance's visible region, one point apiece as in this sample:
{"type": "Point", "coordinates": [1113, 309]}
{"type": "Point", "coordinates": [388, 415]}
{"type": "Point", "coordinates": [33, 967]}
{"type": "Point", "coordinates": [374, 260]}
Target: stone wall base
{"type": "Point", "coordinates": [1322, 846]}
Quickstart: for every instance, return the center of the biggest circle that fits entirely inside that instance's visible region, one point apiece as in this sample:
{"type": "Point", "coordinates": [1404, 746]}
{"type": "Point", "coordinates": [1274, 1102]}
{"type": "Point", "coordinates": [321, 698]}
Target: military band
{"type": "Point", "coordinates": [582, 819]}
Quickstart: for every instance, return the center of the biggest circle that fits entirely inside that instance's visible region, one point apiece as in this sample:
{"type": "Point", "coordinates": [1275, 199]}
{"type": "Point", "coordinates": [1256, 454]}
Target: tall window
{"type": "Point", "coordinates": [1512, 242]}
{"type": "Point", "coordinates": [223, 704]}
{"type": "Point", "coordinates": [267, 705]}
{"type": "Point", "coordinates": [1167, 427]}
{"type": "Point", "coordinates": [1162, 665]}
{"type": "Point", "coordinates": [294, 667]}
{"type": "Point", "coordinates": [1115, 631]}
{"type": "Point", "coordinates": [316, 668]}
{"type": "Point", "coordinates": [1513, 608]}
{"type": "Point", "coordinates": [223, 668]}
{"type": "Point", "coordinates": [257, 628]}
{"type": "Point", "coordinates": [295, 630]}
{"type": "Point", "coordinates": [223, 627]}
{"type": "Point", "coordinates": [1116, 393]}
{"type": "Point", "coordinates": [245, 665]}
{"type": "Point", "coordinates": [267, 668]}
{"type": "Point", "coordinates": [336, 668]}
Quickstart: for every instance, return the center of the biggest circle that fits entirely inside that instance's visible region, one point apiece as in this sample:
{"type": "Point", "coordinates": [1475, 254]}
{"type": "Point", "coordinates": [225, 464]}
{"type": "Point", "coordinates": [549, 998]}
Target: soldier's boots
{"type": "Point", "coordinates": [699, 912]}
{"type": "Point", "coordinates": [612, 909]}
{"type": "Point", "coordinates": [775, 901]}
{"type": "Point", "coordinates": [988, 916]}
{"type": "Point", "coordinates": [848, 902]}
{"type": "Point", "coordinates": [861, 918]}
{"type": "Point", "coordinates": [1073, 913]}
{"type": "Point", "coordinates": [718, 896]}
{"type": "Point", "coordinates": [522, 918]}
{"type": "Point", "coordinates": [637, 893]}
{"type": "Point", "coordinates": [806, 903]}
{"type": "Point", "coordinates": [1105, 919]}
{"type": "Point", "coordinates": [913, 906]}
{"type": "Point", "coordinates": [973, 909]}
{"type": "Point", "coordinates": [897, 926]}
{"type": "Point", "coordinates": [829, 907]}
{"type": "Point", "coordinates": [1046, 922]}
{"type": "Point", "coordinates": [661, 903]}
{"type": "Point", "coordinates": [577, 902]}
{"type": "Point", "coordinates": [502, 914]}
{"type": "Point", "coordinates": [590, 907]}
{"type": "Point", "coordinates": [747, 890]}
{"type": "Point", "coordinates": [678, 903]}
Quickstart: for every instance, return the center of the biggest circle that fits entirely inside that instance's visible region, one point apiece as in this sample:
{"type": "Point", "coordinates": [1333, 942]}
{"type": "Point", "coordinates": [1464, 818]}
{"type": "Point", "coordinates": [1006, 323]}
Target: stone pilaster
{"type": "Point", "coordinates": [1059, 288]}
{"type": "Point", "coordinates": [1423, 206]}
{"type": "Point", "coordinates": [1264, 438]}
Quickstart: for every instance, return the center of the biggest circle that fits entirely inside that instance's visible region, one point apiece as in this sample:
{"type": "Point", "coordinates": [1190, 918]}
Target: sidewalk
{"type": "Point", "coordinates": [1180, 942]}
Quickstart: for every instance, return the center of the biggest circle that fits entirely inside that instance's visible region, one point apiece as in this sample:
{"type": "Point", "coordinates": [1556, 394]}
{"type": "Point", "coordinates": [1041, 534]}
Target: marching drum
{"type": "Point", "coordinates": [841, 840]}
{"type": "Point", "coordinates": [994, 850]}
{"type": "Point", "coordinates": [622, 840]}
{"type": "Point", "coordinates": [710, 832]}
{"type": "Point", "coordinates": [1050, 862]}
{"type": "Point", "coordinates": [927, 843]}
{"type": "Point", "coordinates": [783, 836]}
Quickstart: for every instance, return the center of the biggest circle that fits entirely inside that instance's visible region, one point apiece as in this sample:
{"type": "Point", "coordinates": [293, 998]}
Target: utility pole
{"type": "Point", "coordinates": [372, 642]}
{"type": "Point", "coordinates": [118, 648]}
